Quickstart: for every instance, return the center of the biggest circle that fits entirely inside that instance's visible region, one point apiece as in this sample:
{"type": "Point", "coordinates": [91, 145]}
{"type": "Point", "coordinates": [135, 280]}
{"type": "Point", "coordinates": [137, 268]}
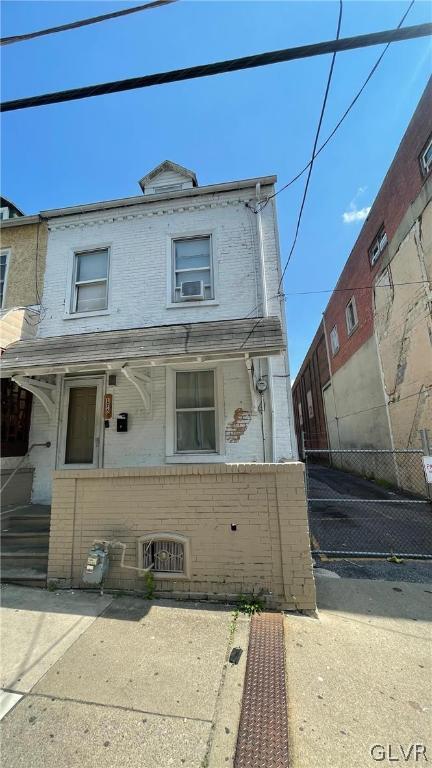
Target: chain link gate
{"type": "Point", "coordinates": [368, 503]}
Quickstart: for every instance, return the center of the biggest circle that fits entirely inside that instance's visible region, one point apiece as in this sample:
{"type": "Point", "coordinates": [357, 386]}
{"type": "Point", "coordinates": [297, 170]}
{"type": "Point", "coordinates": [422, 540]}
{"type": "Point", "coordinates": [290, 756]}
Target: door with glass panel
{"type": "Point", "coordinates": [80, 434]}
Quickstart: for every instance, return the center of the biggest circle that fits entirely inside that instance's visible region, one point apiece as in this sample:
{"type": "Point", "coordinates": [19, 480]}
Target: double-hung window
{"type": "Point", "coordinates": [351, 315]}
{"type": "Point", "coordinates": [192, 269]}
{"type": "Point", "coordinates": [90, 281]}
{"type": "Point", "coordinates": [3, 272]}
{"type": "Point", "coordinates": [195, 412]}
{"type": "Point", "coordinates": [378, 246]}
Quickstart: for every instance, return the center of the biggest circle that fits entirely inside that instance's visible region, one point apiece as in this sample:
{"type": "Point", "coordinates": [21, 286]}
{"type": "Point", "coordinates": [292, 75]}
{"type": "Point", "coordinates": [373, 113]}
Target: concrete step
{"type": "Point", "coordinates": [24, 551]}
{"type": "Point", "coordinates": [25, 537]}
{"type": "Point", "coordinates": [30, 575]}
{"type": "Point", "coordinates": [26, 524]}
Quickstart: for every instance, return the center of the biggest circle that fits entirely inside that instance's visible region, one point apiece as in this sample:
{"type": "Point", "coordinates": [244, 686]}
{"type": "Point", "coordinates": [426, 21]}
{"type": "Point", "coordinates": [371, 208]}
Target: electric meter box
{"type": "Point", "coordinates": [96, 567]}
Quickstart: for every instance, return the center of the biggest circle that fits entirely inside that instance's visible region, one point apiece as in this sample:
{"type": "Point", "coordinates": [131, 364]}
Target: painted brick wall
{"type": "Point", "coordinates": [399, 189]}
{"type": "Point", "coordinates": [268, 552]}
{"type": "Point", "coordinates": [139, 240]}
{"type": "Point", "coordinates": [144, 443]}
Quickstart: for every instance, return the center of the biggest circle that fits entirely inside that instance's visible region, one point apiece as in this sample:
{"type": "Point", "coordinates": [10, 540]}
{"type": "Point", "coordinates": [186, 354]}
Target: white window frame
{"type": "Point", "coordinates": [191, 235]}
{"type": "Point", "coordinates": [193, 457]}
{"type": "Point", "coordinates": [426, 169]}
{"type": "Point", "coordinates": [70, 312]}
{"type": "Point", "coordinates": [5, 252]}
{"type": "Point", "coordinates": [334, 335]}
{"type": "Point", "coordinates": [351, 329]}
{"type": "Point", "coordinates": [166, 536]}
{"type": "Point", "coordinates": [379, 245]}
{"type": "Point", "coordinates": [5, 209]}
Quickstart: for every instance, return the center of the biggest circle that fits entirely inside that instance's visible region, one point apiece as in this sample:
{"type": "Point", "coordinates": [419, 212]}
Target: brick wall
{"type": "Point", "coordinates": [313, 375]}
{"type": "Point", "coordinates": [399, 189]}
{"type": "Point", "coordinates": [268, 552]}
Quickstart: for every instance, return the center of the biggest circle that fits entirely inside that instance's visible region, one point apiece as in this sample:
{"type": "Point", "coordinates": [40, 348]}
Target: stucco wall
{"type": "Point", "coordinates": [268, 552]}
{"type": "Point", "coordinates": [403, 318]}
{"type": "Point", "coordinates": [26, 267]}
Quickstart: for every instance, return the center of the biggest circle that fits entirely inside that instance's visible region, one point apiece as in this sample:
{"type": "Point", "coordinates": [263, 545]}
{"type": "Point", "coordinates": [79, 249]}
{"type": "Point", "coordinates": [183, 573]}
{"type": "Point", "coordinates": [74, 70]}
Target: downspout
{"type": "Point", "coordinates": [265, 314]}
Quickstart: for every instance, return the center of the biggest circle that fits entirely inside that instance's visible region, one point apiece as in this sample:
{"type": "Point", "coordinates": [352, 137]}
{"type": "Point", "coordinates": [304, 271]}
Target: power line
{"type": "Point", "coordinates": [220, 67]}
{"type": "Point", "coordinates": [82, 23]}
{"type": "Point", "coordinates": [321, 117]}
{"type": "Point", "coordinates": [351, 289]}
{"type": "Point", "coordinates": [383, 405]}
{"type": "Point", "coordinates": [339, 123]}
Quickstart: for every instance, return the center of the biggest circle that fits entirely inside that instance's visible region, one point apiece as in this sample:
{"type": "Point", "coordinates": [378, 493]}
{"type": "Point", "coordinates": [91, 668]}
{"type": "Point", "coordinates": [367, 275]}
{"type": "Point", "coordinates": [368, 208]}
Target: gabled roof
{"type": "Point", "coordinates": [168, 165]}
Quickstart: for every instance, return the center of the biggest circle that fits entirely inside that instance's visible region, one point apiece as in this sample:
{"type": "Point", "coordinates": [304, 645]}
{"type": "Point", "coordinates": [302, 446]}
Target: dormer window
{"type": "Point", "coordinates": [167, 177]}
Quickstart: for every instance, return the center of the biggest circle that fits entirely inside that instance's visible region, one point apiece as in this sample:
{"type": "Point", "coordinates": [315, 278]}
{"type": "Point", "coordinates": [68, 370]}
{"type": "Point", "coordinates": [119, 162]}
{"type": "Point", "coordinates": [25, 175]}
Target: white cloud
{"type": "Point", "coordinates": [354, 215]}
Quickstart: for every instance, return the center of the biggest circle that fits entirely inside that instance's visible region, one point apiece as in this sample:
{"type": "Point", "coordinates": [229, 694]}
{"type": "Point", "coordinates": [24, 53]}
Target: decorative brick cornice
{"type": "Point", "coordinates": [91, 220]}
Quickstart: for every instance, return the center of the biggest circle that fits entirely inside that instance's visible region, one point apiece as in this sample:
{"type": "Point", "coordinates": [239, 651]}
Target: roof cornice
{"type": "Point", "coordinates": [146, 199]}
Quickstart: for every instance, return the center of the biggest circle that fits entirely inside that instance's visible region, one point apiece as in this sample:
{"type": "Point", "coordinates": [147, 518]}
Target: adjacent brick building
{"type": "Point", "coordinates": [358, 398]}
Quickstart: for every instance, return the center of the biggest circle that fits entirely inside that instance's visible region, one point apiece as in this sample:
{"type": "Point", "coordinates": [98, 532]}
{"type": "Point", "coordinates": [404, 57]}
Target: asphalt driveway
{"type": "Point", "coordinates": [357, 515]}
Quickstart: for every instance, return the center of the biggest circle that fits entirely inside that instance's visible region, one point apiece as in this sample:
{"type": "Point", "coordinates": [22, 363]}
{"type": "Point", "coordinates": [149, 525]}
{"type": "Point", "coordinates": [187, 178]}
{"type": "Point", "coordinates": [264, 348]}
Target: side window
{"type": "Point", "coordinates": [192, 278]}
{"type": "Point", "coordinates": [4, 259]}
{"type": "Point", "coordinates": [195, 412]}
{"type": "Point", "coordinates": [310, 404]}
{"type": "Point", "coordinates": [300, 413]}
{"type": "Point", "coordinates": [90, 281]}
{"type": "Point", "coordinates": [351, 315]}
{"type": "Point", "coordinates": [378, 246]}
{"type": "Point", "coordinates": [334, 340]}
{"type": "Point", "coordinates": [426, 158]}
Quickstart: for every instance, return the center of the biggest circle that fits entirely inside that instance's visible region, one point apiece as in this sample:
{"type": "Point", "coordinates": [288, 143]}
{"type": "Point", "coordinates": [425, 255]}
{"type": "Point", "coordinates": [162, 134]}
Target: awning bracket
{"type": "Point", "coordinates": [142, 382]}
{"type": "Point", "coordinates": [40, 389]}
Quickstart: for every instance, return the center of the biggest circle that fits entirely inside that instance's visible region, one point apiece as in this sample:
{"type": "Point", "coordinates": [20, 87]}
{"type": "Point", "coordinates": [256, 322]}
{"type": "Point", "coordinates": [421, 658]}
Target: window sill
{"type": "Point", "coordinates": [353, 330]}
{"type": "Point", "coordinates": [184, 304]}
{"type": "Point", "coordinates": [77, 315]}
{"type": "Point", "coordinates": [196, 458]}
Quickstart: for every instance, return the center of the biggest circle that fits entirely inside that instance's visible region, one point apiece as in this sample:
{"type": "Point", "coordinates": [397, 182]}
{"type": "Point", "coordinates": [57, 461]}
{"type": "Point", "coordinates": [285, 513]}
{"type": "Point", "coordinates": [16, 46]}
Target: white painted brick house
{"type": "Point", "coordinates": [138, 252]}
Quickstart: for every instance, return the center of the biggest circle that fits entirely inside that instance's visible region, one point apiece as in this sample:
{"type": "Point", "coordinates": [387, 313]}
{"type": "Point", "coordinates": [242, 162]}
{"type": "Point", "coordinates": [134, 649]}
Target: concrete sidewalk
{"type": "Point", "coordinates": [124, 682]}
{"type": "Point", "coordinates": [360, 674]}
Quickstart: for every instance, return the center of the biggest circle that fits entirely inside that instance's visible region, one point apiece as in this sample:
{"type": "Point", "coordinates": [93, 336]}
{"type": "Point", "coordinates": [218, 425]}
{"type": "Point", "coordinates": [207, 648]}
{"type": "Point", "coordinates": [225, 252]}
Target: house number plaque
{"type": "Point", "coordinates": [108, 407]}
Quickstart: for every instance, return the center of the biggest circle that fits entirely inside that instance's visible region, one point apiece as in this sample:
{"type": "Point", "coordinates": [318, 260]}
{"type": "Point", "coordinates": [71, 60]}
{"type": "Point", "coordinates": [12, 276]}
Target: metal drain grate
{"type": "Point", "coordinates": [262, 740]}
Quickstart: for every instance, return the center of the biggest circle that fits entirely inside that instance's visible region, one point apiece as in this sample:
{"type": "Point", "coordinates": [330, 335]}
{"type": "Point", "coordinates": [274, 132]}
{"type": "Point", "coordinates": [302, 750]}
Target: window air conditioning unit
{"type": "Point", "coordinates": [192, 290]}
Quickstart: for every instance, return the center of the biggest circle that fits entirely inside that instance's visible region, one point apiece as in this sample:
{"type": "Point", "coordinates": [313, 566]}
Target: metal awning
{"type": "Point", "coordinates": [145, 347]}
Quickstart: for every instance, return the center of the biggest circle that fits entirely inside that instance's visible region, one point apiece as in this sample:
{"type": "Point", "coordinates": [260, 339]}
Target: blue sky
{"type": "Point", "coordinates": [228, 127]}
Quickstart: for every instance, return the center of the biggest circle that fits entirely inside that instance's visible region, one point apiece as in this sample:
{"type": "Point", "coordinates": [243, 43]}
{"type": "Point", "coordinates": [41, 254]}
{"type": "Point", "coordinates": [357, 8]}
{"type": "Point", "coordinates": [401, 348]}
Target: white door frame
{"type": "Point", "coordinates": [68, 384]}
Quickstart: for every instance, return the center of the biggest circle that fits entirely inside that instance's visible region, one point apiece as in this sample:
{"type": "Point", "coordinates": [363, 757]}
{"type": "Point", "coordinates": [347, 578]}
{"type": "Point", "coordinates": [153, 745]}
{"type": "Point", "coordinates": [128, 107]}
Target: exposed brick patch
{"type": "Point", "coordinates": [238, 426]}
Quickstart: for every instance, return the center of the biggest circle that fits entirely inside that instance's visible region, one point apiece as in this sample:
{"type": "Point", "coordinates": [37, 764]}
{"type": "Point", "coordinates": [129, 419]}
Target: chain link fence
{"type": "Point", "coordinates": [368, 503]}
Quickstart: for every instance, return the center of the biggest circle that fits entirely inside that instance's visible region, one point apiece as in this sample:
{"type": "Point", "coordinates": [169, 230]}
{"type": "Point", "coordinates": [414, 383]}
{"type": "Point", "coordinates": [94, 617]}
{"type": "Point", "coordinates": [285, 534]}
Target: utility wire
{"type": "Point", "coordinates": [351, 289]}
{"type": "Point", "coordinates": [321, 117]}
{"type": "Point", "coordinates": [82, 23]}
{"type": "Point", "coordinates": [339, 123]}
{"type": "Point", "coordinates": [383, 405]}
{"type": "Point", "coordinates": [219, 67]}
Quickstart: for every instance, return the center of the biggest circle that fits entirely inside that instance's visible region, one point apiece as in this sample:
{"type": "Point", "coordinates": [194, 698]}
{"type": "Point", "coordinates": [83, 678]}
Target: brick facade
{"type": "Point", "coordinates": [268, 552]}
{"type": "Point", "coordinates": [400, 187]}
